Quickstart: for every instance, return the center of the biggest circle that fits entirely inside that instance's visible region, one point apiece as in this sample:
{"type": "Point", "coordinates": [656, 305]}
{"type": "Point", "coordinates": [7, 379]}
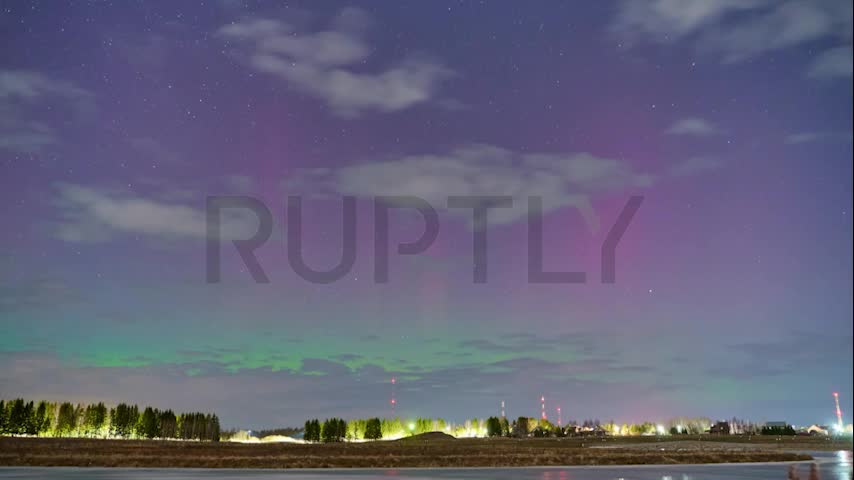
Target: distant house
{"type": "Point", "coordinates": [818, 430]}
{"type": "Point", "coordinates": [778, 428]}
{"type": "Point", "coordinates": [591, 430]}
{"type": "Point", "coordinates": [719, 428]}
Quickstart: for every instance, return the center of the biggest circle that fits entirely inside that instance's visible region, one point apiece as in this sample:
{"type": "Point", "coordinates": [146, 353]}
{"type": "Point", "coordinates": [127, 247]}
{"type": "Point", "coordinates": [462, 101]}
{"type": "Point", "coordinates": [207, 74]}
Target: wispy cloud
{"type": "Point", "coordinates": [670, 20]}
{"type": "Point", "coordinates": [327, 64]}
{"type": "Point", "coordinates": [833, 63]}
{"type": "Point", "coordinates": [735, 30]}
{"type": "Point", "coordinates": [810, 137]}
{"type": "Point", "coordinates": [30, 86]}
{"type": "Point", "coordinates": [92, 215]}
{"type": "Point", "coordinates": [692, 126]}
{"type": "Point", "coordinates": [562, 179]}
{"type": "Point", "coordinates": [20, 92]}
{"type": "Point", "coordinates": [23, 136]}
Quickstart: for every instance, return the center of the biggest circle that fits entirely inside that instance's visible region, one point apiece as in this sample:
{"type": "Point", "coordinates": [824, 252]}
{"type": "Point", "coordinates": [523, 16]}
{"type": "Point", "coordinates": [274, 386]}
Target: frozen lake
{"type": "Point", "coordinates": [832, 466]}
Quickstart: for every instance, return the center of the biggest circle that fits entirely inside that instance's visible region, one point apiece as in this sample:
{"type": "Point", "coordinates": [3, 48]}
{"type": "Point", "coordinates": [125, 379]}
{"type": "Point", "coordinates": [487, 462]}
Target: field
{"type": "Point", "coordinates": [407, 453]}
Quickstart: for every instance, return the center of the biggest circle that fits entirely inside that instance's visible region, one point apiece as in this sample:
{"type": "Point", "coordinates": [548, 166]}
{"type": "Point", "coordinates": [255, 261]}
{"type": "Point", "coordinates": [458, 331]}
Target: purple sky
{"type": "Point", "coordinates": [733, 293]}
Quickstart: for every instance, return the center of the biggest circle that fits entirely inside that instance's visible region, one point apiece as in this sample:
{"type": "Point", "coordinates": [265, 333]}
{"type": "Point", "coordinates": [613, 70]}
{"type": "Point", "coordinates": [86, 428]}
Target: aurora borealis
{"type": "Point", "coordinates": [733, 292]}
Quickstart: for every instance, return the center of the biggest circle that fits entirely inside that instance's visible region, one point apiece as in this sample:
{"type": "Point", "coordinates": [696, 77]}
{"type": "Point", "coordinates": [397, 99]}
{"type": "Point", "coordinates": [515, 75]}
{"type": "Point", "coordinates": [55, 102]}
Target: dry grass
{"type": "Point", "coordinates": [413, 453]}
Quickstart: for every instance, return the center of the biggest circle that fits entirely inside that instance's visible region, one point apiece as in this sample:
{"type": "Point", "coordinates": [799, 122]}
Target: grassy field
{"type": "Point", "coordinates": [407, 453]}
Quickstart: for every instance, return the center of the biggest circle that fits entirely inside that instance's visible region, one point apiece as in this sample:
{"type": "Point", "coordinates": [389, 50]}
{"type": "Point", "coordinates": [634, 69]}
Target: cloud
{"type": "Point", "coordinates": [695, 166]}
{"type": "Point", "coordinates": [692, 126]}
{"type": "Point", "coordinates": [788, 24]}
{"type": "Point", "coordinates": [562, 179]}
{"type": "Point", "coordinates": [735, 30]}
{"type": "Point", "coordinates": [833, 63]}
{"type": "Point", "coordinates": [30, 86]}
{"type": "Point", "coordinates": [810, 137]}
{"type": "Point", "coordinates": [91, 215]}
{"type": "Point", "coordinates": [23, 137]}
{"type": "Point", "coordinates": [320, 366]}
{"type": "Point", "coordinates": [327, 64]}
{"type": "Point", "coordinates": [669, 20]}
{"type": "Point", "coordinates": [21, 94]}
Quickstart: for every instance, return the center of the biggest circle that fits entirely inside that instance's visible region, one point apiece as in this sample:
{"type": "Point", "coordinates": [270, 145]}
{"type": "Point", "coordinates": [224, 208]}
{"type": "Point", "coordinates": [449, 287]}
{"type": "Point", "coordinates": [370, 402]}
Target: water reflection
{"type": "Point", "coordinates": [842, 467]}
{"type": "Point", "coordinates": [829, 466]}
{"type": "Point", "coordinates": [558, 475]}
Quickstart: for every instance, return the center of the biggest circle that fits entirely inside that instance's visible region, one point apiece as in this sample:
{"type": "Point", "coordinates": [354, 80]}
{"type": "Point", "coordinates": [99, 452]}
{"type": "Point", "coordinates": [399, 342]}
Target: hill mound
{"type": "Point", "coordinates": [428, 436]}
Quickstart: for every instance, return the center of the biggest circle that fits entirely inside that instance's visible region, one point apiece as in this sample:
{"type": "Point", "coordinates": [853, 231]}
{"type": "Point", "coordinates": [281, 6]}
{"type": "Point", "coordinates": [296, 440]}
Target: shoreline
{"type": "Point", "coordinates": [427, 469]}
{"type": "Point", "coordinates": [445, 454]}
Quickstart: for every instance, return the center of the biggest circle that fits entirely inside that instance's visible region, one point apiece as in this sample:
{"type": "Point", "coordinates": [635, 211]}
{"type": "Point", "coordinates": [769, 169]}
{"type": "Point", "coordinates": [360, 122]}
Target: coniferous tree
{"type": "Point", "coordinates": [66, 421]}
{"type": "Point", "coordinates": [505, 427]}
{"type": "Point", "coordinates": [122, 420]}
{"type": "Point", "coordinates": [44, 417]}
{"type": "Point", "coordinates": [520, 427]}
{"type": "Point", "coordinates": [307, 433]}
{"type": "Point", "coordinates": [493, 427]}
{"type": "Point", "coordinates": [327, 433]}
{"type": "Point", "coordinates": [148, 427]}
{"type": "Point", "coordinates": [333, 430]}
{"type": "Point", "coordinates": [16, 416]}
{"type": "Point", "coordinates": [79, 416]}
{"type": "Point", "coordinates": [184, 426]}
{"type": "Point", "coordinates": [204, 424]}
{"type": "Point", "coordinates": [168, 424]}
{"type": "Point", "coordinates": [30, 422]}
{"type": "Point", "coordinates": [213, 434]}
{"type": "Point", "coordinates": [373, 429]}
{"type": "Point", "coordinates": [342, 430]}
{"type": "Point", "coordinates": [95, 417]}
{"type": "Point", "coordinates": [313, 432]}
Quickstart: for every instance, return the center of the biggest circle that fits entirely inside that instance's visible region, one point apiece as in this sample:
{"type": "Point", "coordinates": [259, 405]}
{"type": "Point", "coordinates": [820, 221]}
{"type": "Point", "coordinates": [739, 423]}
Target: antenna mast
{"type": "Point", "coordinates": [838, 410]}
{"type": "Point", "coordinates": [393, 401]}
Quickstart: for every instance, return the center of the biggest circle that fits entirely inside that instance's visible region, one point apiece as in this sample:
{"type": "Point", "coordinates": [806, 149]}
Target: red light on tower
{"type": "Point", "coordinates": [393, 401]}
{"type": "Point", "coordinates": [838, 411]}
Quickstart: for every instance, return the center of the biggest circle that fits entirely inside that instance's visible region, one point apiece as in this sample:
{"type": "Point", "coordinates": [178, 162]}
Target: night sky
{"type": "Point", "coordinates": [733, 119]}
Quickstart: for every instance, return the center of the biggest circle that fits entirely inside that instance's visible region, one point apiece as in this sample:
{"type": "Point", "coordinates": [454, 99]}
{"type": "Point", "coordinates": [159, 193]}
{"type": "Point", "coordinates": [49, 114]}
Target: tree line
{"type": "Point", "coordinates": [332, 430]}
{"type": "Point", "coordinates": [778, 430]}
{"type": "Point", "coordinates": [21, 417]}
{"type": "Point", "coordinates": [336, 430]}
